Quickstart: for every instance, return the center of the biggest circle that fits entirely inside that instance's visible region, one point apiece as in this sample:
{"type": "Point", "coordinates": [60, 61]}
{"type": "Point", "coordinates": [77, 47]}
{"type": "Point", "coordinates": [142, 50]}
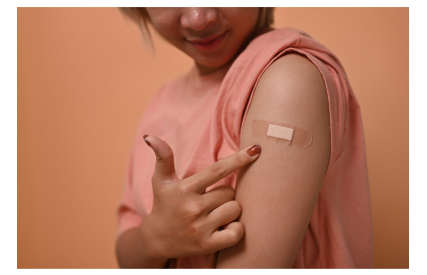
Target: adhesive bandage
{"type": "Point", "coordinates": [281, 133]}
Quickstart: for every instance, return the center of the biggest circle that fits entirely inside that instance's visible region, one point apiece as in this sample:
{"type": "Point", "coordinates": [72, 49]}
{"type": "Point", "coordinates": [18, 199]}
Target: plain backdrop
{"type": "Point", "coordinates": [85, 78]}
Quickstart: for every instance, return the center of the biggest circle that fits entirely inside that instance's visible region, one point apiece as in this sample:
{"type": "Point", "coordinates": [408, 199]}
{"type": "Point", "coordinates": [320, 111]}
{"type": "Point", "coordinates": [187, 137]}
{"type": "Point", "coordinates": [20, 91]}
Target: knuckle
{"type": "Point", "coordinates": [200, 246]}
{"type": "Point", "coordinates": [225, 214]}
{"type": "Point", "coordinates": [183, 189]}
{"type": "Point", "coordinates": [231, 211]}
{"type": "Point", "coordinates": [229, 192]}
{"type": "Point", "coordinates": [224, 192]}
{"type": "Point", "coordinates": [194, 231]}
{"type": "Point", "coordinates": [231, 238]}
{"type": "Point", "coordinates": [197, 240]}
{"type": "Point", "coordinates": [236, 206]}
{"type": "Point", "coordinates": [201, 177]}
{"type": "Point", "coordinates": [234, 237]}
{"type": "Point", "coordinates": [241, 158]}
{"type": "Point", "coordinates": [161, 160]}
{"type": "Point", "coordinates": [218, 169]}
{"type": "Point", "coordinates": [156, 179]}
{"type": "Point", "coordinates": [223, 241]}
{"type": "Point", "coordinates": [193, 209]}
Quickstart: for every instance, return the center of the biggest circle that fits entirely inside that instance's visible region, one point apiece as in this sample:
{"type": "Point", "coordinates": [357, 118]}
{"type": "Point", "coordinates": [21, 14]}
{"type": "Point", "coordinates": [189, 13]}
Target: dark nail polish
{"type": "Point", "coordinates": [148, 143]}
{"type": "Point", "coordinates": [253, 151]}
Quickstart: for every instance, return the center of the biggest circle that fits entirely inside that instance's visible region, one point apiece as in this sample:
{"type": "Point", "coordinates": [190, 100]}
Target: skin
{"type": "Point", "coordinates": [185, 220]}
{"type": "Point", "coordinates": [279, 191]}
{"type": "Point", "coordinates": [275, 194]}
{"type": "Point", "coordinates": [179, 26]}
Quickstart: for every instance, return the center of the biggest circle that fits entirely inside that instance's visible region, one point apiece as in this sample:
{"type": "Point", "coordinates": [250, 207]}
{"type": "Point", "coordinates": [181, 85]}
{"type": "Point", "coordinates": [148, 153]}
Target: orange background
{"type": "Point", "coordinates": [85, 77]}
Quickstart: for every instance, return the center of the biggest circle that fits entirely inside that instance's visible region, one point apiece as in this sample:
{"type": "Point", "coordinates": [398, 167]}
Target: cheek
{"type": "Point", "coordinates": [243, 18]}
{"type": "Point", "coordinates": [164, 21]}
{"type": "Point", "coordinates": [243, 23]}
{"type": "Point", "coordinates": [251, 18]}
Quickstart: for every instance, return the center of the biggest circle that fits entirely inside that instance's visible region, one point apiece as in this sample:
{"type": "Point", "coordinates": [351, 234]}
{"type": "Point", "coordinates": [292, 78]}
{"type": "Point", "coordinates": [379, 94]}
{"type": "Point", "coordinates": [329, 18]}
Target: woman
{"type": "Point", "coordinates": [303, 202]}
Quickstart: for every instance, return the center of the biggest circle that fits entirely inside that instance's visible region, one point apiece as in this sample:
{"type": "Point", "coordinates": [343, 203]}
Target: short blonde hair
{"type": "Point", "coordinates": [141, 18]}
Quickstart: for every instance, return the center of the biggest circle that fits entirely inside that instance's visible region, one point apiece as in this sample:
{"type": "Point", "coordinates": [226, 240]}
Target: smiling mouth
{"type": "Point", "coordinates": [208, 44]}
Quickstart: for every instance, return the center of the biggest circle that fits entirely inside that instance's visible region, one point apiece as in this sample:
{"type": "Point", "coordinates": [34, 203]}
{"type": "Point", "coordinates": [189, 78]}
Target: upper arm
{"type": "Point", "coordinates": [278, 192]}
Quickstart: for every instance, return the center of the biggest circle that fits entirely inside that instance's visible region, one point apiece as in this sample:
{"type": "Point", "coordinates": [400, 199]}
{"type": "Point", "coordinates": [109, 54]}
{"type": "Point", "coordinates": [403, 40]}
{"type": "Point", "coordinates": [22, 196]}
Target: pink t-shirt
{"type": "Point", "coordinates": [201, 119]}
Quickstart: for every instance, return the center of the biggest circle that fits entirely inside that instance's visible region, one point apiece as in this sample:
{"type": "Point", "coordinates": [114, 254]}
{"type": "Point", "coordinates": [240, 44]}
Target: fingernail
{"type": "Point", "coordinates": [146, 141]}
{"type": "Point", "coordinates": [253, 151]}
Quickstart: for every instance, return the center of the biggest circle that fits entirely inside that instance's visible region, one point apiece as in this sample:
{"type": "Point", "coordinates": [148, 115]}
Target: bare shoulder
{"type": "Point", "coordinates": [294, 80]}
{"type": "Point", "coordinates": [293, 61]}
{"type": "Point", "coordinates": [292, 91]}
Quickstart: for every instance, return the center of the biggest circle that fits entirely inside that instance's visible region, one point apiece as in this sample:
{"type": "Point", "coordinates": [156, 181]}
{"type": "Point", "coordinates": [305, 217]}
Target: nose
{"type": "Point", "coordinates": [198, 18]}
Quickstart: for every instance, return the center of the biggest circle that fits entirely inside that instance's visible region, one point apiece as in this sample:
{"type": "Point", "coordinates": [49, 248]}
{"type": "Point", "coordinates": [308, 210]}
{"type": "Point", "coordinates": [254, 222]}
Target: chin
{"type": "Point", "coordinates": [215, 61]}
{"type": "Point", "coordinates": [213, 64]}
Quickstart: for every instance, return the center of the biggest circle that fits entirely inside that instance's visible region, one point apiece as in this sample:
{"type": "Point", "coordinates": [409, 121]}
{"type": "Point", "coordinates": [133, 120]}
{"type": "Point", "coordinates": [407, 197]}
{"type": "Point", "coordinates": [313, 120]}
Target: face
{"type": "Point", "coordinates": [213, 37]}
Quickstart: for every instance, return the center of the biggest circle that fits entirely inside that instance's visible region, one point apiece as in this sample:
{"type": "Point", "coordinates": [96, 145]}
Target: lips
{"type": "Point", "coordinates": [208, 43]}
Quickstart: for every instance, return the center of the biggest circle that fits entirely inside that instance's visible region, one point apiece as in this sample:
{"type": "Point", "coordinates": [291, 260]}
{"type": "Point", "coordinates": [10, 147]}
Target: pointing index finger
{"type": "Point", "coordinates": [222, 168]}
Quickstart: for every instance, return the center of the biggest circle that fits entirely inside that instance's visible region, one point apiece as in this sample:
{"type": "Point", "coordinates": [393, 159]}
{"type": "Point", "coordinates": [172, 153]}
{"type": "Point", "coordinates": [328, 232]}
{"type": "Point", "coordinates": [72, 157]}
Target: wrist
{"type": "Point", "coordinates": [150, 244]}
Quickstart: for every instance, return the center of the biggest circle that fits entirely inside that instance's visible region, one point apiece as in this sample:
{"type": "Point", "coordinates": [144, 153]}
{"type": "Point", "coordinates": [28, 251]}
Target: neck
{"type": "Point", "coordinates": [204, 70]}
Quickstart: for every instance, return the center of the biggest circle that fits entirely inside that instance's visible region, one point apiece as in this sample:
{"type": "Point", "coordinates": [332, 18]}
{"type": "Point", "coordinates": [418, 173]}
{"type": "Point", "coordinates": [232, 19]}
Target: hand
{"type": "Point", "coordinates": [185, 220]}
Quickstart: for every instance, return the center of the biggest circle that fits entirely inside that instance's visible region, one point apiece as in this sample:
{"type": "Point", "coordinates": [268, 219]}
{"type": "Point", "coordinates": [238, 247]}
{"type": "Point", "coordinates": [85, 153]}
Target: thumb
{"type": "Point", "coordinates": [165, 166]}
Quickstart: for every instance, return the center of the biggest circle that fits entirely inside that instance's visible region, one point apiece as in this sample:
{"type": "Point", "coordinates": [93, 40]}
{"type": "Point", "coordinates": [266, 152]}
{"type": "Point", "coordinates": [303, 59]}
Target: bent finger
{"type": "Point", "coordinates": [227, 237]}
{"type": "Point", "coordinates": [224, 214]}
{"type": "Point", "coordinates": [217, 197]}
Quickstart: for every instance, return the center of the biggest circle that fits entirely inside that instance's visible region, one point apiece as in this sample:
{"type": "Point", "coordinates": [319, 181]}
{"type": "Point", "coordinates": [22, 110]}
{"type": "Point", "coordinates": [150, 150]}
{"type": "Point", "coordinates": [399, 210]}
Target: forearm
{"type": "Point", "coordinates": [132, 251]}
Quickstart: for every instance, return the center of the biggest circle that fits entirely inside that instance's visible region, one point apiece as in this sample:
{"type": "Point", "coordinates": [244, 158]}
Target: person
{"type": "Point", "coordinates": [259, 156]}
